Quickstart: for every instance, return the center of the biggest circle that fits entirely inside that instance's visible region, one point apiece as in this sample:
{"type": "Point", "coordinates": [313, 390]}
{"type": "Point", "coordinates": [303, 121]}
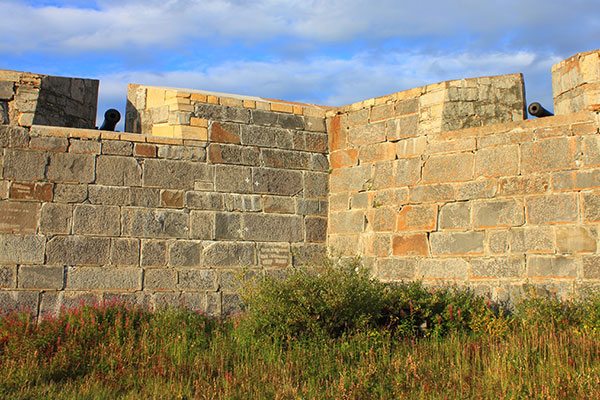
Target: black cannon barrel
{"type": "Point", "coordinates": [537, 110]}
{"type": "Point", "coordinates": [111, 119]}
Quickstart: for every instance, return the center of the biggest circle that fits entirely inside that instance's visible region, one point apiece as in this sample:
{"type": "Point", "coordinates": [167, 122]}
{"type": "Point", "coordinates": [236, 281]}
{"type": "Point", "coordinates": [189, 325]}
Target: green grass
{"type": "Point", "coordinates": [385, 342]}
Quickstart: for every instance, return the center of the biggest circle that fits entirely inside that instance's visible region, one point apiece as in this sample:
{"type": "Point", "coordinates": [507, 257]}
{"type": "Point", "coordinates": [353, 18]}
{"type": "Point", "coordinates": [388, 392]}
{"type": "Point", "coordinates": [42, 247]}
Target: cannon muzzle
{"type": "Point", "coordinates": [111, 119]}
{"type": "Point", "coordinates": [537, 110]}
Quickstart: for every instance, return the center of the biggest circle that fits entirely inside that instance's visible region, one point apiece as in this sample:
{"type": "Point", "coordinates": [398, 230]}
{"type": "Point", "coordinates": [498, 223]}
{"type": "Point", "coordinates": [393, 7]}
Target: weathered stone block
{"type": "Point", "coordinates": [232, 178]}
{"type": "Point", "coordinates": [71, 167]}
{"type": "Point", "coordinates": [118, 171]}
{"type": "Point", "coordinates": [279, 204]}
{"type": "Point", "coordinates": [228, 226]}
{"type": "Point", "coordinates": [160, 279]}
{"type": "Point", "coordinates": [498, 241]}
{"type": "Point", "coordinates": [275, 158]}
{"type": "Point", "coordinates": [576, 239]}
{"type": "Point", "coordinates": [276, 181]}
{"type": "Point", "coordinates": [377, 245]}
{"type": "Point", "coordinates": [591, 206]}
{"type": "Point", "coordinates": [410, 245]}
{"type": "Point", "coordinates": [448, 168]}
{"type": "Point", "coordinates": [497, 161]}
{"type": "Point", "coordinates": [549, 154]}
{"type": "Point", "coordinates": [591, 151]}
{"type": "Point", "coordinates": [272, 228]}
{"type": "Point", "coordinates": [233, 154]}
{"type": "Point", "coordinates": [444, 268]}
{"type": "Point", "coordinates": [243, 202]}
{"type": "Point", "coordinates": [202, 225]}
{"type": "Point", "coordinates": [532, 240]}
{"type": "Point", "coordinates": [13, 136]}
{"type": "Point", "coordinates": [95, 278]}
{"type": "Point", "coordinates": [140, 222]}
{"type": "Point", "coordinates": [172, 198]}
{"type": "Point", "coordinates": [85, 146]}
{"type": "Point", "coordinates": [308, 253]}
{"type": "Point", "coordinates": [502, 267]}
{"type": "Point", "coordinates": [66, 193]}
{"type": "Point", "coordinates": [361, 200]}
{"type": "Point", "coordinates": [20, 249]}
{"type": "Point", "coordinates": [520, 185]}
{"type": "Point", "coordinates": [222, 113]}
{"type": "Point", "coordinates": [347, 222]}
{"type": "Point", "coordinates": [125, 252]}
{"type": "Point", "coordinates": [432, 193]}
{"type": "Point", "coordinates": [361, 135]}
{"type": "Point", "coordinates": [263, 136]}
{"type": "Point", "coordinates": [168, 174]}
{"type": "Point", "coordinates": [49, 143]}
{"type": "Point", "coordinates": [182, 153]}
{"type": "Point", "coordinates": [497, 213]}
{"type": "Point", "coordinates": [96, 220]}
{"type": "Point", "coordinates": [24, 165]}
{"type": "Point", "coordinates": [479, 189]}
{"type": "Point", "coordinates": [552, 209]}
{"type": "Point", "coordinates": [77, 250]}
{"type": "Point", "coordinates": [204, 201]}
{"type": "Point", "coordinates": [381, 219]}
{"type": "Point", "coordinates": [591, 267]}
{"type": "Point", "coordinates": [153, 253]}
{"type": "Point", "coordinates": [109, 195]}
{"type": "Point", "coordinates": [117, 148]}
{"type": "Point", "coordinates": [185, 253]}
{"type": "Point", "coordinates": [144, 197]}
{"type": "Point", "coordinates": [18, 217]}
{"type": "Point", "coordinates": [351, 179]}
{"type": "Point", "coordinates": [417, 218]}
{"type": "Point", "coordinates": [144, 150]}
{"type": "Point", "coordinates": [56, 218]}
{"type": "Point", "coordinates": [377, 152]}
{"type": "Point", "coordinates": [225, 133]}
{"type": "Point", "coordinates": [455, 215]}
{"type": "Point", "coordinates": [197, 279]}
{"type": "Point", "coordinates": [402, 127]}
{"type": "Point", "coordinates": [315, 229]}
{"type": "Point", "coordinates": [552, 267]}
{"type": "Point", "coordinates": [19, 300]}
{"type": "Point", "coordinates": [343, 158]}
{"type": "Point", "coordinates": [8, 276]}
{"type": "Point", "coordinates": [41, 277]}
{"type": "Point", "coordinates": [394, 269]}
{"type": "Point", "coordinates": [229, 254]}
{"type": "Point", "coordinates": [457, 242]}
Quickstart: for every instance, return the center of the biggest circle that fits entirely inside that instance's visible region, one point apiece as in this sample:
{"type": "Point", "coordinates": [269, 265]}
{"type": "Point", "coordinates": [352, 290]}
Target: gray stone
{"type": "Point", "coordinates": [272, 228]}
{"type": "Point", "coordinates": [49, 143]}
{"type": "Point", "coordinates": [315, 124]}
{"type": "Point", "coordinates": [498, 213]}
{"type": "Point", "coordinates": [455, 216]}
{"type": "Point", "coordinates": [78, 250]}
{"type": "Point", "coordinates": [277, 181]}
{"type": "Point", "coordinates": [315, 142]}
{"type": "Point", "coordinates": [27, 301]}
{"type": "Point", "coordinates": [85, 146]}
{"type": "Point", "coordinates": [118, 171]}
{"type": "Point", "coordinates": [229, 254]}
{"type": "Point", "coordinates": [20, 249]}
{"type": "Point", "coordinates": [66, 193]}
{"type": "Point", "coordinates": [576, 239]}
{"type": "Point", "coordinates": [557, 208]}
{"type": "Point", "coordinates": [428, 193]}
{"type": "Point", "coordinates": [347, 222]}
{"type": "Point", "coordinates": [169, 174]}
{"type": "Point", "coordinates": [407, 106]}
{"type": "Point", "coordinates": [41, 277]}
{"type": "Point", "coordinates": [233, 179]}
{"type": "Point", "coordinates": [109, 195]}
{"type": "Point", "coordinates": [185, 253]}
{"type": "Point", "coordinates": [264, 136]}
{"type": "Point", "coordinates": [70, 167]}
{"type": "Point", "coordinates": [286, 121]}
{"type": "Point", "coordinates": [153, 253]}
{"type": "Point", "coordinates": [197, 279]}
{"type": "Point", "coordinates": [308, 253]}
{"type": "Point", "coordinates": [96, 220]}
{"type": "Point", "coordinates": [498, 241]}
{"type": "Point", "coordinates": [182, 153]}
{"type": "Point", "coordinates": [308, 207]}
{"type": "Point", "coordinates": [204, 200]}
{"type": "Point", "coordinates": [315, 229]}
{"type": "Point", "coordinates": [550, 266]}
{"type": "Point", "coordinates": [319, 162]}
{"type": "Point", "coordinates": [222, 113]}
{"type": "Point", "coordinates": [444, 268]}
{"type": "Point", "coordinates": [286, 159]}
{"type": "Point", "coordinates": [502, 267]}
{"type": "Point", "coordinates": [279, 204]}
{"type": "Point", "coordinates": [4, 119]}
{"type": "Point", "coordinates": [532, 240]}
{"type": "Point", "coordinates": [233, 154]}
{"type": "Point", "coordinates": [395, 269]}
{"type": "Point", "coordinates": [457, 242]}
{"type": "Point", "coordinates": [316, 184]}
{"type": "Point", "coordinates": [7, 90]}
{"type": "Point", "coordinates": [56, 218]}
{"type": "Point", "coordinates": [125, 252]}
{"type": "Point", "coordinates": [228, 226]}
{"type": "Point", "coordinates": [202, 225]}
{"type": "Point", "coordinates": [8, 276]}
{"type": "Point", "coordinates": [243, 202]}
{"type": "Point", "coordinates": [480, 189]}
{"type": "Point", "coordinates": [14, 136]}
{"type": "Point", "coordinates": [87, 278]}
{"type": "Point", "coordinates": [231, 303]}
{"type": "Point", "coordinates": [144, 197]}
{"type": "Point", "coordinates": [591, 267]}
{"type": "Point", "coordinates": [24, 165]}
{"type": "Point", "coordinates": [117, 147]}
{"type": "Point", "coordinates": [402, 127]}
{"type": "Point", "coordinates": [160, 279]}
{"type": "Point", "coordinates": [149, 223]}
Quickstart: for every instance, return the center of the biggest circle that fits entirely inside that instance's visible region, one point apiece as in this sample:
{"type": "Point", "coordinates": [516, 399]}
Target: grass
{"type": "Point", "coordinates": [386, 342]}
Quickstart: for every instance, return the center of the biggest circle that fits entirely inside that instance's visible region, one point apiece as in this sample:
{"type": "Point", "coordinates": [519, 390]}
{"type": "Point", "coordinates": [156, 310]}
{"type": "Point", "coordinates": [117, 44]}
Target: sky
{"type": "Point", "coordinates": [323, 52]}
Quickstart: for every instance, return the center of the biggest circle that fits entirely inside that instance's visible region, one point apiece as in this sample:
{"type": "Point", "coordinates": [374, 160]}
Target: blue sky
{"type": "Point", "coordinates": [325, 52]}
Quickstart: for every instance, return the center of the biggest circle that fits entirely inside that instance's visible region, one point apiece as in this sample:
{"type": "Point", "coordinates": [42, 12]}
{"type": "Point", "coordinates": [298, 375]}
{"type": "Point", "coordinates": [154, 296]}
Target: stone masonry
{"type": "Point", "coordinates": [448, 183]}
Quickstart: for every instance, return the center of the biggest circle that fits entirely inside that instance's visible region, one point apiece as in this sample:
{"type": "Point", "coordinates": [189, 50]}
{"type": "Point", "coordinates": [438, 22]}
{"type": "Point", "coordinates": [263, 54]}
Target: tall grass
{"type": "Point", "coordinates": [387, 342]}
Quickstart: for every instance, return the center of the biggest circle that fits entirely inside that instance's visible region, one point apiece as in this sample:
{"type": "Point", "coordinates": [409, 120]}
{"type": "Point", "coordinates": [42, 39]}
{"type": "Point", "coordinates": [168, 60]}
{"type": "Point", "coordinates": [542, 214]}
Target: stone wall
{"type": "Point", "coordinates": [31, 99]}
{"type": "Point", "coordinates": [576, 83]}
{"type": "Point", "coordinates": [87, 215]}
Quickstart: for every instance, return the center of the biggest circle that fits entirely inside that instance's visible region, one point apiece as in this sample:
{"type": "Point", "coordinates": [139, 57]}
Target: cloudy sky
{"type": "Point", "coordinates": [325, 52]}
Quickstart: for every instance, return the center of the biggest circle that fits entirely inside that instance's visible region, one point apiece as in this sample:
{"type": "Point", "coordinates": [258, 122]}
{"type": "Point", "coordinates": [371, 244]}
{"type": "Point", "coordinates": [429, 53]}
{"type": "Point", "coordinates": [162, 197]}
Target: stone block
{"type": "Point", "coordinates": [172, 198]}
{"type": "Point", "coordinates": [552, 209]}
{"type": "Point", "coordinates": [27, 301]}
{"type": "Point", "coordinates": [228, 226]}
{"type": "Point", "coordinates": [448, 168]}
{"type": "Point", "coordinates": [202, 225]}
{"type": "Point", "coordinates": [85, 146]}
{"type": "Point", "coordinates": [315, 142]}
{"type": "Point", "coordinates": [77, 250]}
{"type": "Point", "coordinates": [229, 254]}
{"type": "Point", "coordinates": [99, 278]}
{"type": "Point", "coordinates": [8, 276]}
{"type": "Point", "coordinates": [402, 127]}
{"type": "Point", "coordinates": [16, 217]}
{"type": "Point", "coordinates": [354, 118]}
{"type": "Point", "coordinates": [71, 167]}
{"type": "Point", "coordinates": [66, 193]}
{"type": "Point", "coordinates": [591, 206]}
{"type": "Point", "coordinates": [233, 179]}
{"type": "Point", "coordinates": [287, 159]}
{"type": "Point", "coordinates": [316, 184]}
{"type": "Point", "coordinates": [501, 267]}
{"type": "Point", "coordinates": [231, 303]}
{"type": "Point", "coordinates": [96, 220]}
{"type": "Point", "coordinates": [575, 180]}
{"type": "Point", "coordinates": [431, 193]}
{"type": "Point", "coordinates": [347, 222]}
{"type": "Point", "coordinates": [343, 158]}
{"type": "Point", "coordinates": [168, 174]}
{"type": "Point", "coordinates": [117, 148]}
{"type": "Point", "coordinates": [396, 173]}
{"type": "Point", "coordinates": [382, 111]}
{"type": "Point", "coordinates": [276, 181]}
{"type": "Point", "coordinates": [345, 245]}
{"type": "Point", "coordinates": [222, 113]}
{"type": "Point", "coordinates": [13, 136]}
{"type": "Point", "coordinates": [444, 268]}
{"type": "Point", "coordinates": [56, 218]}
{"type": "Point", "coordinates": [144, 197]}
{"type": "Point", "coordinates": [279, 204]}
{"type": "Point", "coordinates": [497, 161]}
{"type": "Point", "coordinates": [185, 253]}
{"type": "Point", "coordinates": [225, 133]}
{"type": "Point", "coordinates": [182, 153]}
{"type": "Point", "coordinates": [24, 165]}
{"type": "Point", "coordinates": [243, 202]}
{"type": "Point", "coordinates": [37, 191]}
{"type": "Point", "coordinates": [315, 229]}
{"type": "Point", "coordinates": [455, 215]}
{"type": "Point", "coordinates": [591, 267]}
{"type": "Point", "coordinates": [522, 185]}
{"type": "Point", "coordinates": [118, 171]}
{"type": "Point", "coordinates": [377, 245]}
{"type": "Point", "coordinates": [319, 162]}
{"type": "Point", "coordinates": [417, 218]}
{"type": "Point", "coordinates": [411, 147]}
{"type": "Point", "coordinates": [498, 241]}
{"type": "Point", "coordinates": [41, 277]}
{"type": "Point", "coordinates": [264, 136]}
{"type": "Point", "coordinates": [19, 249]}
{"type": "Point", "coordinates": [49, 143]}
{"type": "Point", "coordinates": [144, 150]}
{"type": "Point", "coordinates": [407, 106]}
{"type": "Point", "coordinates": [233, 154]}
{"type": "Point", "coordinates": [351, 179]}
{"type": "Point", "coordinates": [552, 267]}
{"type": "Point", "coordinates": [109, 195]}
{"type": "Point", "coordinates": [274, 255]}
{"type": "Point", "coordinates": [309, 207]}
{"type": "Point", "coordinates": [308, 254]}
{"type": "Point", "coordinates": [549, 154]}
{"type": "Point", "coordinates": [532, 240]}
{"type": "Point", "coordinates": [160, 279]}
{"type": "Point", "coordinates": [7, 90]}
{"type": "Point", "coordinates": [125, 252]}
{"type": "Point", "coordinates": [576, 239]}
{"type": "Point", "coordinates": [377, 152]}
{"type": "Point", "coordinates": [153, 253]}
{"type": "Point", "coordinates": [396, 269]}
{"type": "Point", "coordinates": [381, 219]}
{"type": "Point", "coordinates": [479, 189]}
{"type": "Point", "coordinates": [272, 228]}
{"type": "Point", "coordinates": [410, 245]}
{"type": "Point", "coordinates": [362, 135]}
{"type": "Point", "coordinates": [149, 223]}
{"type": "Point", "coordinates": [459, 243]}
{"type": "Point", "coordinates": [197, 279]}
{"type": "Point", "coordinates": [498, 213]}
{"type": "Point", "coordinates": [361, 200]}
{"type": "Point", "coordinates": [204, 201]}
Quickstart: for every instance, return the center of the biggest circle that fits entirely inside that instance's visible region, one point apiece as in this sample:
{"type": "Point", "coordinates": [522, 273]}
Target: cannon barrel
{"type": "Point", "coordinates": [537, 110]}
{"type": "Point", "coordinates": [111, 119]}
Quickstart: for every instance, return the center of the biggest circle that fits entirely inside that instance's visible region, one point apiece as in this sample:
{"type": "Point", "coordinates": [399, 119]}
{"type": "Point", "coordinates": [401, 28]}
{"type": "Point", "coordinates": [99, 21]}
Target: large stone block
{"type": "Point", "coordinates": [19, 301]}
{"type": "Point", "coordinates": [71, 167]}
{"type": "Point", "coordinates": [153, 253]}
{"type": "Point", "coordinates": [417, 218]}
{"type": "Point", "coordinates": [233, 154]}
{"type": "Point", "coordinates": [100, 278]}
{"type": "Point", "coordinates": [501, 267]}
{"type": "Point", "coordinates": [381, 219]}
{"type": "Point", "coordinates": [56, 218]}
{"type": "Point", "coordinates": [13, 136]}
{"type": "Point", "coordinates": [552, 209]}
{"type": "Point", "coordinates": [591, 206]}
{"type": "Point", "coordinates": [222, 113]}
{"type": "Point", "coordinates": [549, 154]}
{"type": "Point", "coordinates": [455, 215]}
{"type": "Point", "coordinates": [160, 279]}
{"type": "Point", "coordinates": [19, 217]}
{"type": "Point", "coordinates": [367, 134]}
{"type": "Point", "coordinates": [117, 148]}
{"type": "Point", "coordinates": [36, 191]}
{"type": "Point", "coordinates": [66, 193]}
{"type": "Point", "coordinates": [24, 165]}
{"type": "Point", "coordinates": [197, 279]}
{"type": "Point", "coordinates": [97, 220]}
{"type": "Point", "coordinates": [118, 171]}
{"type": "Point", "coordinates": [576, 239]}
{"type": "Point", "coordinates": [109, 195]}
{"type": "Point", "coordinates": [125, 252]}
{"type": "Point", "coordinates": [263, 136]}
{"type": "Point", "coordinates": [498, 213]}
{"type": "Point", "coordinates": [396, 173]}
{"type": "Point", "coordinates": [308, 253]}
{"type": "Point", "coordinates": [351, 179]}
{"type": "Point", "coordinates": [204, 200]}
{"type": "Point", "coordinates": [448, 168]}
{"type": "Point", "coordinates": [41, 277]}
{"type": "Point", "coordinates": [182, 153]}
{"type": "Point", "coordinates": [78, 250]}
{"type": "Point", "coordinates": [315, 229]}
{"type": "Point", "coordinates": [532, 240]}
{"type": "Point", "coordinates": [229, 254]}
{"type": "Point", "coordinates": [169, 174]}
{"type": "Point", "coordinates": [279, 205]}
{"type": "Point", "coordinates": [591, 267]}
{"type": "Point", "coordinates": [233, 178]}
{"type": "Point", "coordinates": [150, 223]}
{"type": "Point", "coordinates": [285, 159]}
{"type": "Point", "coordinates": [523, 185]}
{"type": "Point", "coordinates": [444, 268]}
{"type": "Point", "coordinates": [396, 269]}
{"type": "Point", "coordinates": [497, 161]}
{"type": "Point", "coordinates": [274, 255]}
{"type": "Point", "coordinates": [272, 228]}
{"type": "Point", "coordinates": [286, 121]}
{"type": "Point", "coordinates": [185, 253]}
{"type": "Point", "coordinates": [552, 267]}
{"type": "Point", "coordinates": [276, 181]}
{"type": "Point", "coordinates": [479, 189]}
{"type": "Point", "coordinates": [8, 276]}
{"type": "Point", "coordinates": [347, 222]}
{"type": "Point", "coordinates": [402, 127]}
{"type": "Point", "coordinates": [202, 225]}
{"type": "Point", "coordinates": [410, 245]}
{"type": "Point", "coordinates": [457, 243]}
{"type": "Point", "coordinates": [20, 249]}
{"type": "Point", "coordinates": [228, 226]}
{"type": "Point", "coordinates": [432, 193]}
